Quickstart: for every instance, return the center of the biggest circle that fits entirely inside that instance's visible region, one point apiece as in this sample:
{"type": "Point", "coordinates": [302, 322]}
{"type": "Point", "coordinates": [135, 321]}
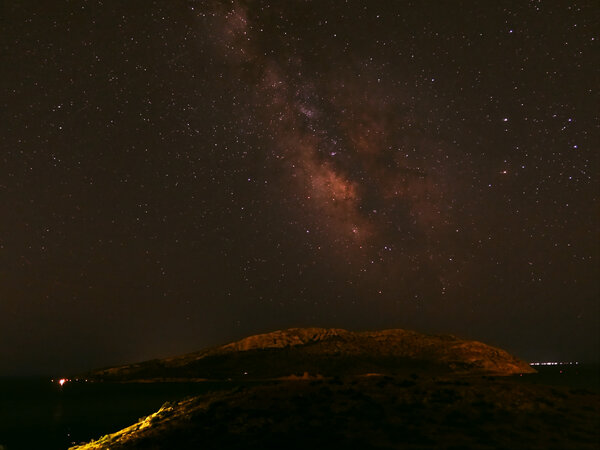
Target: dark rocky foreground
{"type": "Point", "coordinates": [373, 412]}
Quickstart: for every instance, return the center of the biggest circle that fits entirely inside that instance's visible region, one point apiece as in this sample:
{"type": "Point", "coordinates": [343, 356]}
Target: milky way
{"type": "Point", "coordinates": [180, 174]}
{"type": "Point", "coordinates": [366, 179]}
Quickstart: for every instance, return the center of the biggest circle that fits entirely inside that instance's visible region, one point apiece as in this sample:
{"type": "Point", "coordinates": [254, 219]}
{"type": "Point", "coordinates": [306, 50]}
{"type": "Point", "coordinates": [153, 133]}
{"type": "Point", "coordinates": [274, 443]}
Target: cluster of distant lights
{"type": "Point", "coordinates": [63, 381]}
{"type": "Point", "coordinates": [555, 363]}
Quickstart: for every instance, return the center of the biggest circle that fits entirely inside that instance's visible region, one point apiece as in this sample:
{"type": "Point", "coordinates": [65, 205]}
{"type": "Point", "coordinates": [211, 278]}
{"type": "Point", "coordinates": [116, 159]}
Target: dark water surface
{"type": "Point", "coordinates": [39, 414]}
{"type": "Point", "coordinates": [581, 376]}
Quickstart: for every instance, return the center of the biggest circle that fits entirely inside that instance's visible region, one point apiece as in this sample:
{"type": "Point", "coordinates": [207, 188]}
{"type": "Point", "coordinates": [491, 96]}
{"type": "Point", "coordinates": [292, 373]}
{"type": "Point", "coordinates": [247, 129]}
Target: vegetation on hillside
{"type": "Point", "coordinates": [372, 412]}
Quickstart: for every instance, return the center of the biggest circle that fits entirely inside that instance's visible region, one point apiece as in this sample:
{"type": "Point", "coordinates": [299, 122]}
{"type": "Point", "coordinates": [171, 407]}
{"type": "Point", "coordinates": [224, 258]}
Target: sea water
{"type": "Point", "coordinates": [38, 413]}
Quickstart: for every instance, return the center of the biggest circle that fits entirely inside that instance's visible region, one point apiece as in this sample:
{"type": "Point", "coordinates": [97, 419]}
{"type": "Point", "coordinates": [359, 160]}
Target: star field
{"type": "Point", "coordinates": [175, 175]}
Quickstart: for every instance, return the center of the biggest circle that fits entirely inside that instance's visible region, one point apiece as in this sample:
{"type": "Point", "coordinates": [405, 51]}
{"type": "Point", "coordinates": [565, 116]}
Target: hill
{"type": "Point", "coordinates": [371, 413]}
{"type": "Point", "coordinates": [325, 352]}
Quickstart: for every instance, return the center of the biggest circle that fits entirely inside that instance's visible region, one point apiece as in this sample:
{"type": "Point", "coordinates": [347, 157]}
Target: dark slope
{"type": "Point", "coordinates": [372, 413]}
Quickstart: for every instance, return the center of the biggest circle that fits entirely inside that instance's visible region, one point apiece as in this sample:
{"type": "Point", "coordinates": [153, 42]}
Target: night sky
{"type": "Point", "coordinates": [180, 174]}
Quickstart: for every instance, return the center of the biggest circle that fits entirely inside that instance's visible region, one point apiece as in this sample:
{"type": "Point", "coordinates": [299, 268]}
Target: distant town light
{"type": "Point", "coordinates": [555, 363]}
{"type": "Point", "coordinates": [62, 381]}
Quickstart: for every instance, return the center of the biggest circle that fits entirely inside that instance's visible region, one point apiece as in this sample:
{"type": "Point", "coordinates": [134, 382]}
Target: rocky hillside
{"type": "Point", "coordinates": [371, 413]}
{"type": "Point", "coordinates": [326, 352]}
